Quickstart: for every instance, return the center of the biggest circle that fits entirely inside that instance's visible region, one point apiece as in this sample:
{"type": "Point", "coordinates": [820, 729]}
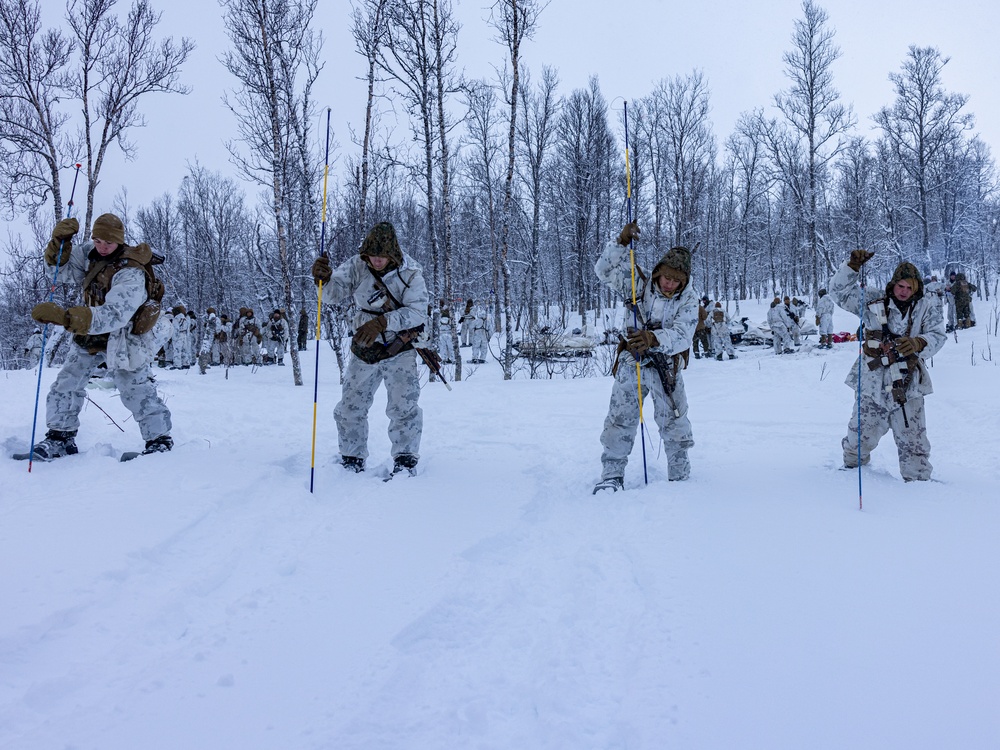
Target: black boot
{"type": "Point", "coordinates": [57, 443]}
{"type": "Point", "coordinates": [353, 463]}
{"type": "Point", "coordinates": [162, 444]}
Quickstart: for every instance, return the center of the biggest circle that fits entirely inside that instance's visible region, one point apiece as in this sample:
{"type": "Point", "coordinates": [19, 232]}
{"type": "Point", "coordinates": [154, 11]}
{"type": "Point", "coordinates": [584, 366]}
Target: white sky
{"type": "Point", "coordinates": [629, 45]}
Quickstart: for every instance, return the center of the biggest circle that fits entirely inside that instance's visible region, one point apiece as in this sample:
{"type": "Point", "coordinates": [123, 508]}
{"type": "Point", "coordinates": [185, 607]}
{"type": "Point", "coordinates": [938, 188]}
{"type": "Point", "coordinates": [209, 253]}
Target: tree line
{"type": "Point", "coordinates": [505, 190]}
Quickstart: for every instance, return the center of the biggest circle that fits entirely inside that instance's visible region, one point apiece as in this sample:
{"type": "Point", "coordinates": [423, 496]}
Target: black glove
{"type": "Point", "coordinates": [368, 332]}
{"type": "Point", "coordinates": [858, 258]}
{"type": "Point", "coordinates": [640, 341]}
{"type": "Point", "coordinates": [321, 271]}
{"type": "Point", "coordinates": [629, 232]}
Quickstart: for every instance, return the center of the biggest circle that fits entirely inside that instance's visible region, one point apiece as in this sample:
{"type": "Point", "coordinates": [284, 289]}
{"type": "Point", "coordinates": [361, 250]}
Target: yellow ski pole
{"type": "Point", "coordinates": [319, 301]}
{"type": "Point", "coordinates": [635, 319]}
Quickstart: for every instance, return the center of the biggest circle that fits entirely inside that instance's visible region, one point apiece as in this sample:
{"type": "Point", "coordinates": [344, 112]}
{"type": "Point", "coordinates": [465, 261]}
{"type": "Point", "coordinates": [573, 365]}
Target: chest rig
{"type": "Point", "coordinates": [100, 276]}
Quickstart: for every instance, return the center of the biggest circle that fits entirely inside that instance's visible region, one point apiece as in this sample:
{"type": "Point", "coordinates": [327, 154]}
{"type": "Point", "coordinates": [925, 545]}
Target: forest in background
{"type": "Point", "coordinates": [505, 190]}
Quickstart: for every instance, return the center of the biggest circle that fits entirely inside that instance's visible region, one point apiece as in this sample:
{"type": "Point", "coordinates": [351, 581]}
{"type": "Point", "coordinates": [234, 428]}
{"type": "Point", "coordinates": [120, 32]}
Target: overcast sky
{"type": "Point", "coordinates": [629, 45]}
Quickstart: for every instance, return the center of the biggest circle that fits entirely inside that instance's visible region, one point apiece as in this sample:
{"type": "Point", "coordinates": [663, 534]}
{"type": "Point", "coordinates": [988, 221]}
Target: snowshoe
{"type": "Point", "coordinates": [161, 444]}
{"type": "Point", "coordinates": [57, 443]}
{"type": "Point", "coordinates": [611, 483]}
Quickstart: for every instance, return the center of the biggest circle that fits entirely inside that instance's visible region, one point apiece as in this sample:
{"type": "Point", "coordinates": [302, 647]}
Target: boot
{"type": "Point", "coordinates": [57, 443]}
{"type": "Point", "coordinates": [404, 463]}
{"type": "Point", "coordinates": [353, 463]}
{"type": "Point", "coordinates": [719, 356]}
{"type": "Point", "coordinates": [611, 483]}
{"type": "Point", "coordinates": [162, 444]}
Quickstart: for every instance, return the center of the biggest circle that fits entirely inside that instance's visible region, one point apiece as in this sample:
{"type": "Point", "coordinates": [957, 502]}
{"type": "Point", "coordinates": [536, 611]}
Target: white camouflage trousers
{"type": "Point", "coordinates": [781, 337]}
{"type": "Point", "coordinates": [622, 421]}
{"type": "Point", "coordinates": [402, 386]}
{"type": "Point", "coordinates": [721, 340]}
{"type": "Point", "coordinates": [138, 394]}
{"type": "Point", "coordinates": [480, 343]}
{"type": "Point", "coordinates": [912, 445]}
{"type": "Point", "coordinates": [826, 324]}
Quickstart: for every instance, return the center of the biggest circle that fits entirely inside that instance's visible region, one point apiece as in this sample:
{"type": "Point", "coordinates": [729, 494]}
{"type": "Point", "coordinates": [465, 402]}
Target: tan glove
{"type": "Point", "coordinates": [906, 345]}
{"type": "Point", "coordinates": [368, 333]}
{"type": "Point", "coordinates": [49, 312]}
{"type": "Point", "coordinates": [321, 271]}
{"type": "Point", "coordinates": [65, 229]}
{"type": "Point", "coordinates": [858, 258]}
{"type": "Point", "coordinates": [817, 320]}
{"type": "Point", "coordinates": [639, 342]}
{"type": "Point", "coordinates": [78, 320]}
{"type": "Point", "coordinates": [629, 233]}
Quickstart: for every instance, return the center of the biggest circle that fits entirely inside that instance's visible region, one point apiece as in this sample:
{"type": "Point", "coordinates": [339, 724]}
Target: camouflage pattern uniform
{"type": "Point", "coordinates": [779, 323]}
{"type": "Point", "coordinates": [110, 340]}
{"type": "Point", "coordinates": [824, 311]}
{"type": "Point", "coordinates": [722, 342]}
{"type": "Point", "coordinates": [275, 338]}
{"type": "Point", "coordinates": [962, 291]}
{"type": "Point", "coordinates": [33, 349]}
{"type": "Point", "coordinates": [477, 322]}
{"type": "Point", "coordinates": [879, 410]}
{"type": "Point", "coordinates": [677, 317]}
{"type": "Point", "coordinates": [405, 281]}
{"type": "Point", "coordinates": [447, 346]}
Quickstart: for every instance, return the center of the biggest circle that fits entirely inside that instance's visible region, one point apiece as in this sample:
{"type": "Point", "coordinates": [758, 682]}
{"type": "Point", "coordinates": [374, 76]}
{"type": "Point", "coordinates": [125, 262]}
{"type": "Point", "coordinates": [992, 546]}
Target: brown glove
{"type": "Point", "coordinates": [817, 320]}
{"type": "Point", "coordinates": [368, 332]}
{"type": "Point", "coordinates": [65, 229]}
{"type": "Point", "coordinates": [78, 320]}
{"type": "Point", "coordinates": [906, 345]}
{"type": "Point", "coordinates": [49, 312]}
{"type": "Point", "coordinates": [858, 258]}
{"type": "Point", "coordinates": [629, 232]}
{"type": "Point", "coordinates": [639, 342]}
{"type": "Point", "coordinates": [321, 270]}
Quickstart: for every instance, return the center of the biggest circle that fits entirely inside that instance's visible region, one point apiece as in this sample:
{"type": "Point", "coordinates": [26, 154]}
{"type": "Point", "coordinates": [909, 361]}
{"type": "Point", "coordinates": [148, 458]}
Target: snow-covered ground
{"type": "Point", "coordinates": [205, 599]}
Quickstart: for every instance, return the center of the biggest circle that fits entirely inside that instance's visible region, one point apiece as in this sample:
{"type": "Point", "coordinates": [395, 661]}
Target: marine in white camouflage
{"type": "Point", "coordinates": [667, 310]}
{"type": "Point", "coordinates": [117, 325]}
{"type": "Point", "coordinates": [390, 299]}
{"type": "Point", "coordinates": [903, 329]}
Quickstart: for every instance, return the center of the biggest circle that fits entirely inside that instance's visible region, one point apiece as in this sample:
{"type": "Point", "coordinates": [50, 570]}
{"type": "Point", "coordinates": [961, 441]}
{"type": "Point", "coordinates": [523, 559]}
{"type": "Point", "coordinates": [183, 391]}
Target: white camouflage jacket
{"type": "Point", "coordinates": [354, 279]}
{"type": "Point", "coordinates": [677, 315]}
{"type": "Point", "coordinates": [923, 319]}
{"type": "Point", "coordinates": [126, 351]}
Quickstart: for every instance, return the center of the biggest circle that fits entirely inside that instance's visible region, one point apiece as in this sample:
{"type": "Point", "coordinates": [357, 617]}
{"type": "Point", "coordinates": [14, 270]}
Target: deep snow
{"type": "Point", "coordinates": [205, 599]}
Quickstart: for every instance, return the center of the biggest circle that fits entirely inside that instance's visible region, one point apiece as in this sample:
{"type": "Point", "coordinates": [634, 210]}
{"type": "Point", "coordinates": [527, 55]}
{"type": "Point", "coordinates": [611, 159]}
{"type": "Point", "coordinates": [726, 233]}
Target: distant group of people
{"type": "Point", "coordinates": [474, 331]}
{"type": "Point", "coordinates": [248, 341]}
{"type": "Point", "coordinates": [956, 297]}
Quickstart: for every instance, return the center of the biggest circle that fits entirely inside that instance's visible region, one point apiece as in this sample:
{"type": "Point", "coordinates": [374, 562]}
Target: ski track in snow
{"type": "Point", "coordinates": [206, 599]}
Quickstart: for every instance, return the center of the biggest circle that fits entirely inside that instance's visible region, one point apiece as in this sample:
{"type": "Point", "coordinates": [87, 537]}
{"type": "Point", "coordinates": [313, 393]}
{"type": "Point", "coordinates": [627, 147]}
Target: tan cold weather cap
{"type": "Point", "coordinates": [109, 228]}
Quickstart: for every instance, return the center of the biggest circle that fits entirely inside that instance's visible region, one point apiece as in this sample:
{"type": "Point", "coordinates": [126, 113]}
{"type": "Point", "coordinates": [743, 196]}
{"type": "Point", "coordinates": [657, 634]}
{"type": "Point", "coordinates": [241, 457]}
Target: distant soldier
{"type": "Point", "coordinates": [962, 290]}
{"type": "Point", "coordinates": [33, 349]}
{"type": "Point", "coordinates": [824, 319]}
{"type": "Point", "coordinates": [447, 347]}
{"type": "Point", "coordinates": [303, 336]}
{"type": "Point", "coordinates": [779, 323]}
{"type": "Point", "coordinates": [276, 335]}
{"type": "Point", "coordinates": [465, 330]}
{"type": "Point", "coordinates": [721, 340]}
{"type": "Point", "coordinates": [702, 332]}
